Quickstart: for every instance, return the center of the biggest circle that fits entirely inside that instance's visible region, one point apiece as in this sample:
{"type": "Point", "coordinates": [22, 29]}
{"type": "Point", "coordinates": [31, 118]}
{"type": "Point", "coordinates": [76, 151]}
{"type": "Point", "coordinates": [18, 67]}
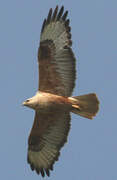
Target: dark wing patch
{"type": "Point", "coordinates": [56, 59]}
{"type": "Point", "coordinates": [45, 50]}
{"type": "Point", "coordinates": [48, 135]}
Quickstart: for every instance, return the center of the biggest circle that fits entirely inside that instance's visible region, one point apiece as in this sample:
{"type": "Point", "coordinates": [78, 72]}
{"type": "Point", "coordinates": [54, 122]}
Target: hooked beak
{"type": "Point", "coordinates": [24, 103]}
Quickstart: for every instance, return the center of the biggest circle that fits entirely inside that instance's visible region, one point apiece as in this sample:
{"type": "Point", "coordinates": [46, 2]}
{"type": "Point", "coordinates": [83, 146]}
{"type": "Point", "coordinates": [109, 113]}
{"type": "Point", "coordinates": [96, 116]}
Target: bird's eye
{"type": "Point", "coordinates": [27, 100]}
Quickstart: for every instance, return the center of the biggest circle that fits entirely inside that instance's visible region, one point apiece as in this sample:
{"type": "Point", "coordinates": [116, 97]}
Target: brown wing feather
{"type": "Point", "coordinates": [56, 59]}
{"type": "Point", "coordinates": [48, 135]}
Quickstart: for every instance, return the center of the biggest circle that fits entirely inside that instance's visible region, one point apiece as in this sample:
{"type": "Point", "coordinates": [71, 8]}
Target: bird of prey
{"type": "Point", "coordinates": [53, 102]}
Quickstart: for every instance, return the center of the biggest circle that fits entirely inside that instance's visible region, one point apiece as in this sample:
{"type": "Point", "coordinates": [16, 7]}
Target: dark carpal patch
{"type": "Point", "coordinates": [45, 49]}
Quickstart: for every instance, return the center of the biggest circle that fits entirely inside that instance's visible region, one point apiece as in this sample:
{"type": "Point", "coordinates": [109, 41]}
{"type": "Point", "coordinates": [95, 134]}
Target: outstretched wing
{"type": "Point", "coordinates": [48, 135]}
{"type": "Point", "coordinates": [55, 57]}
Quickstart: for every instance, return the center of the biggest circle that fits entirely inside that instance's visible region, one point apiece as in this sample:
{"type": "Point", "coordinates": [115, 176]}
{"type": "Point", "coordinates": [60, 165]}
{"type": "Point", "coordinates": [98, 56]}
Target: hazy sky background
{"type": "Point", "coordinates": [91, 151]}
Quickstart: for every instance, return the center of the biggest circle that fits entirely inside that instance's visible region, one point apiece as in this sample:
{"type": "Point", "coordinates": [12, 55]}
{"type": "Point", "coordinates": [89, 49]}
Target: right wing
{"type": "Point", "coordinates": [55, 56]}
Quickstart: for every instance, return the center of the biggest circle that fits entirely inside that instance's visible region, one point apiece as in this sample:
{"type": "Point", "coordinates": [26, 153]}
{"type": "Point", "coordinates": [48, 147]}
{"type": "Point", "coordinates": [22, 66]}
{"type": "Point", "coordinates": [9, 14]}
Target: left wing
{"type": "Point", "coordinates": [48, 135]}
{"type": "Point", "coordinates": [55, 56]}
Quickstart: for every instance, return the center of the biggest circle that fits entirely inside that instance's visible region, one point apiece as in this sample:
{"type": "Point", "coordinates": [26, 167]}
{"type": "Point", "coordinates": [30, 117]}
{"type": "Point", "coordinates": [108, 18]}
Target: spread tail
{"type": "Point", "coordinates": [85, 105]}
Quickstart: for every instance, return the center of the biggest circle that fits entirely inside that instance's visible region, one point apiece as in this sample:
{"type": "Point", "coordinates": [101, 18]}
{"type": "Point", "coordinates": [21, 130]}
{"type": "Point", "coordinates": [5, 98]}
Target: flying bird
{"type": "Point", "coordinates": [53, 102]}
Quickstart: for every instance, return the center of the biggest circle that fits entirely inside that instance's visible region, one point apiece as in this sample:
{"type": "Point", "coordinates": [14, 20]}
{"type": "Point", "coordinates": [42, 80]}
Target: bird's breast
{"type": "Point", "coordinates": [49, 102]}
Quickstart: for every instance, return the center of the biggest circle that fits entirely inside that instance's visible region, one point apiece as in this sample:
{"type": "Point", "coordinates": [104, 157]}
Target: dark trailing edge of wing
{"type": "Point", "coordinates": [58, 16]}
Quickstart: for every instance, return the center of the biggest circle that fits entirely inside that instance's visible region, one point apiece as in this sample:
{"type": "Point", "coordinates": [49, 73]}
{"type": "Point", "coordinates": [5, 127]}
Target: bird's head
{"type": "Point", "coordinates": [26, 102]}
{"type": "Point", "coordinates": [31, 103]}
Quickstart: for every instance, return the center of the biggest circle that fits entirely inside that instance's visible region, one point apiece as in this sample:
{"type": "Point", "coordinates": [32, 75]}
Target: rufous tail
{"type": "Point", "coordinates": [85, 105]}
